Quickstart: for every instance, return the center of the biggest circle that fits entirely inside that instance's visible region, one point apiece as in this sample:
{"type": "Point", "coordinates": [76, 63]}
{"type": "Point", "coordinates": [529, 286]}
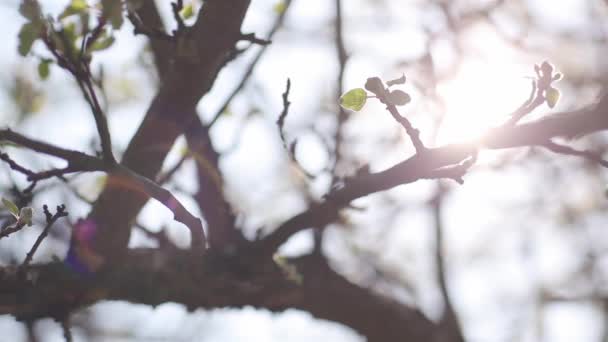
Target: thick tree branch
{"type": "Point", "coordinates": [214, 35]}
{"type": "Point", "coordinates": [153, 277]}
{"type": "Point", "coordinates": [427, 164]}
{"type": "Point", "coordinates": [78, 161]}
{"type": "Point", "coordinates": [152, 22]}
{"type": "Point", "coordinates": [223, 233]}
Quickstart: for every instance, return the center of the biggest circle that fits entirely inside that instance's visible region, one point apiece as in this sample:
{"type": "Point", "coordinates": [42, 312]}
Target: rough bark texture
{"type": "Point", "coordinates": [153, 277]}
{"type": "Point", "coordinates": [185, 80]}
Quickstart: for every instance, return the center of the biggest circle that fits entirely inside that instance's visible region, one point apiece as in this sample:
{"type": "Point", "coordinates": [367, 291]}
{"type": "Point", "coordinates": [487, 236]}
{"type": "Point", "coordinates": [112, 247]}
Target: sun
{"type": "Point", "coordinates": [480, 96]}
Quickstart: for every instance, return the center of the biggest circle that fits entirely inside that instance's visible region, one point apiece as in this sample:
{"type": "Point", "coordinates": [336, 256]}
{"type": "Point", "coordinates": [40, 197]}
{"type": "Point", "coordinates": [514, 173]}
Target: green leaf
{"type": "Point", "coordinates": [75, 7]}
{"type": "Point", "coordinates": [354, 99]}
{"type": "Point", "coordinates": [552, 96]}
{"type": "Point", "coordinates": [12, 207]}
{"type": "Point", "coordinates": [112, 11]}
{"type": "Point", "coordinates": [27, 35]}
{"type": "Point", "coordinates": [188, 11]}
{"type": "Point", "coordinates": [44, 68]}
{"type": "Point", "coordinates": [102, 43]}
{"type": "Point", "coordinates": [30, 9]}
{"type": "Point", "coordinates": [400, 80]}
{"type": "Point", "coordinates": [398, 97]}
{"type": "Point", "coordinates": [25, 215]}
{"type": "Point", "coordinates": [280, 7]}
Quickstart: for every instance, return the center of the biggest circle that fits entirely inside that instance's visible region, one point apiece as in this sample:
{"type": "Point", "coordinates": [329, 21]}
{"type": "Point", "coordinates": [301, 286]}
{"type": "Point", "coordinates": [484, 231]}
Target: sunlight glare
{"type": "Point", "coordinates": [480, 96]}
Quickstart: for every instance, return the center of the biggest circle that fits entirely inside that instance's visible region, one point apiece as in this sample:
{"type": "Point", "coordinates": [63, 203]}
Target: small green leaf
{"type": "Point", "coordinates": [398, 97]}
{"type": "Point", "coordinates": [552, 96]}
{"type": "Point", "coordinates": [101, 43]}
{"type": "Point", "coordinates": [79, 5]}
{"type": "Point", "coordinates": [557, 76]}
{"type": "Point", "coordinates": [44, 68]}
{"type": "Point", "coordinates": [75, 7]}
{"type": "Point", "coordinates": [354, 99]}
{"type": "Point", "coordinates": [187, 12]}
{"type": "Point", "coordinates": [30, 9]}
{"type": "Point", "coordinates": [27, 35]}
{"type": "Point", "coordinates": [400, 80]}
{"type": "Point", "coordinates": [12, 207]}
{"type": "Point", "coordinates": [280, 7]}
{"type": "Point", "coordinates": [25, 215]}
{"type": "Point", "coordinates": [112, 11]}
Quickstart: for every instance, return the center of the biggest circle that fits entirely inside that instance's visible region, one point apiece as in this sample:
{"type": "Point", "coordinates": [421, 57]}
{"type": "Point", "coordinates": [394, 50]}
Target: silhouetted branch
{"type": "Point", "coordinates": [17, 226]}
{"type": "Point", "coordinates": [284, 112]}
{"type": "Point", "coordinates": [50, 220]}
{"type": "Point", "coordinates": [277, 24]}
{"type": "Point", "coordinates": [433, 162]}
{"type": "Point", "coordinates": [567, 150]}
{"type": "Point", "coordinates": [65, 327]}
{"type": "Point", "coordinates": [449, 318]}
{"type": "Point", "coordinates": [78, 161]}
{"type": "Point", "coordinates": [250, 37]}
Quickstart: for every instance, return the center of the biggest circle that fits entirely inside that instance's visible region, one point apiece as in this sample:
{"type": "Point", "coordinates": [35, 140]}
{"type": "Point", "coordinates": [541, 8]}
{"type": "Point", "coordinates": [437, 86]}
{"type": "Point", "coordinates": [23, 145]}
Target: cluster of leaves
{"type": "Point", "coordinates": [355, 99]}
{"type": "Point", "coordinates": [72, 33]}
{"type": "Point", "coordinates": [23, 215]}
{"type": "Point", "coordinates": [545, 78]}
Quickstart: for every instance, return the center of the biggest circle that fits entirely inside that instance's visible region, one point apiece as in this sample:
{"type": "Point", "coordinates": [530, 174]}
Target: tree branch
{"type": "Point", "coordinates": [152, 277]}
{"type": "Point", "coordinates": [78, 161]}
{"type": "Point", "coordinates": [50, 220]}
{"type": "Point", "coordinates": [429, 164]}
{"type": "Point", "coordinates": [173, 110]}
{"type": "Point", "coordinates": [277, 24]}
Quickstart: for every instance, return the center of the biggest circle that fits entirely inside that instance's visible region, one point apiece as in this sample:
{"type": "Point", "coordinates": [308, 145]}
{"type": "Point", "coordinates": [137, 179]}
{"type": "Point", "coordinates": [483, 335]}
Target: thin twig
{"type": "Point", "coordinates": [342, 115]}
{"type": "Point", "coordinates": [382, 93]}
{"type": "Point", "coordinates": [278, 23]}
{"type": "Point", "coordinates": [101, 121]}
{"type": "Point", "coordinates": [75, 158]}
{"type": "Point", "coordinates": [536, 99]}
{"type": "Point", "coordinates": [176, 7]}
{"type": "Point", "coordinates": [449, 318]}
{"type": "Point", "coordinates": [50, 220]}
{"type": "Point", "coordinates": [166, 198]}
{"type": "Point", "coordinates": [439, 162]}
{"type": "Point", "coordinates": [17, 226]}
{"type": "Point", "coordinates": [283, 115]}
{"type": "Point", "coordinates": [412, 132]}
{"type": "Point", "coordinates": [78, 161]}
{"type": "Point", "coordinates": [567, 150]}
{"type": "Point", "coordinates": [250, 37]}
{"type": "Point", "coordinates": [65, 326]}
{"type": "Point", "coordinates": [166, 176]}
